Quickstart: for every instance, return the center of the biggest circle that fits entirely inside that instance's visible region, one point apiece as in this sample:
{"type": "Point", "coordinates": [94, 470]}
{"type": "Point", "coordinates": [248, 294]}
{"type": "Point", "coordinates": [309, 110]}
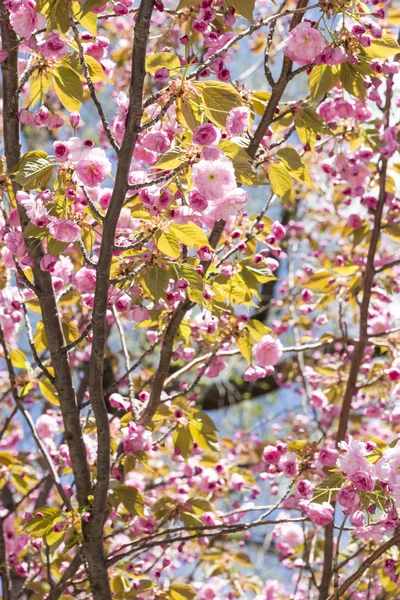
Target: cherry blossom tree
{"type": "Point", "coordinates": [183, 229]}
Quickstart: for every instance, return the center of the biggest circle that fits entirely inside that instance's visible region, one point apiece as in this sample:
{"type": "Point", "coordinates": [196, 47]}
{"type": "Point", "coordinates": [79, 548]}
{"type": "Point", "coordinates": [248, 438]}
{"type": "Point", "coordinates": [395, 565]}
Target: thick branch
{"type": "Point", "coordinates": [93, 545]}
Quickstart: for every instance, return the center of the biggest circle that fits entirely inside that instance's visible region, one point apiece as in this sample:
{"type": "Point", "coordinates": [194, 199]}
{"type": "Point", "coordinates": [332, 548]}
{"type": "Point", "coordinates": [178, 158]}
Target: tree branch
{"type": "Point", "coordinates": [93, 544]}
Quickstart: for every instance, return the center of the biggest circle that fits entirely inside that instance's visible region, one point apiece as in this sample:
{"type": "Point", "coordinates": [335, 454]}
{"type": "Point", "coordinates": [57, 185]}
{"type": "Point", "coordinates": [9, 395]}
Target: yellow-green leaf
{"type": "Point", "coordinates": [40, 337]}
{"type": "Point", "coordinates": [322, 79]}
{"type": "Point", "coordinates": [96, 72]}
{"type": "Point", "coordinates": [88, 20]}
{"type": "Point", "coordinates": [34, 170]}
{"type": "Point", "coordinates": [385, 47]}
{"type": "Point", "coordinates": [88, 5]}
{"type": "Point", "coordinates": [49, 391]}
{"type": "Point", "coordinates": [131, 498]}
{"type": "Point", "coordinates": [240, 160]}
{"type": "Point", "coordinates": [245, 345]}
{"type": "Point", "coordinates": [203, 431]}
{"type": "Point", "coordinates": [183, 440]}
{"type": "Point", "coordinates": [190, 234]}
{"type": "Point", "coordinates": [195, 289]}
{"type": "Point", "coordinates": [259, 101]}
{"type": "Point", "coordinates": [242, 7]}
{"type": "Point", "coordinates": [171, 159]}
{"type": "Point", "coordinates": [393, 231]}
{"type": "Point", "coordinates": [181, 591]}
{"type": "Point", "coordinates": [280, 180]}
{"type": "Point", "coordinates": [168, 243]}
{"type": "Point", "coordinates": [18, 359]}
{"type": "Point", "coordinates": [156, 280]}
{"type": "Point", "coordinates": [162, 60]}
{"type": "Point", "coordinates": [394, 17]}
{"type": "Point", "coordinates": [292, 161]}
{"type": "Point", "coordinates": [218, 99]}
{"type": "Point", "coordinates": [68, 86]}
{"type": "Point", "coordinates": [353, 80]}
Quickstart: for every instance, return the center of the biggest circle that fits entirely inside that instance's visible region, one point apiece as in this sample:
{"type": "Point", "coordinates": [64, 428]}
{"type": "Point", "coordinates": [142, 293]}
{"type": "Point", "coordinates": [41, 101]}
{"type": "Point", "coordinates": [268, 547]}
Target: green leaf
{"type": "Point", "coordinates": [68, 86]}
{"type": "Point", "coordinates": [34, 170]}
{"type": "Point", "coordinates": [49, 391]}
{"type": "Point", "coordinates": [171, 159]}
{"type": "Point", "coordinates": [259, 101]}
{"type": "Point", "coordinates": [385, 47]}
{"type": "Point", "coordinates": [168, 243]}
{"type": "Point", "coordinates": [322, 79]}
{"type": "Point", "coordinates": [328, 488]}
{"type": "Point", "coordinates": [245, 345]}
{"type": "Point", "coordinates": [156, 280]}
{"type": "Point", "coordinates": [353, 80]}
{"type": "Point", "coordinates": [308, 126]}
{"type": "Point", "coordinates": [292, 161]}
{"type": "Point", "coordinates": [257, 329]}
{"type": "Point", "coordinates": [188, 112]}
{"type": "Point", "coordinates": [243, 7]}
{"type": "Point", "coordinates": [181, 591]}
{"type": "Point", "coordinates": [190, 234]}
{"type": "Point", "coordinates": [183, 440]}
{"type": "Point", "coordinates": [96, 72]}
{"type": "Point", "coordinates": [56, 247]}
{"type": "Point", "coordinates": [280, 180]}
{"type": "Point", "coordinates": [241, 162]}
{"type": "Point", "coordinates": [88, 5]}
{"type": "Point", "coordinates": [71, 332]}
{"type": "Point", "coordinates": [88, 21]}
{"type": "Point", "coordinates": [18, 359]}
{"type": "Point", "coordinates": [162, 60]}
{"type": "Point", "coordinates": [203, 431]}
{"type": "Point", "coordinates": [40, 337]}
{"type": "Point", "coordinates": [56, 12]}
{"type": "Point", "coordinates": [218, 99]}
{"type": "Point", "coordinates": [393, 231]}
{"type": "Point", "coordinates": [195, 289]}
{"type": "Point", "coordinates": [131, 498]}
{"type": "Point", "coordinates": [259, 271]}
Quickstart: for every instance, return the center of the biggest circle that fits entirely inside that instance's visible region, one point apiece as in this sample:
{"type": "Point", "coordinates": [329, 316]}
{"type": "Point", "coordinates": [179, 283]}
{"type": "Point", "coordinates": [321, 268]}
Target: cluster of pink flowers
{"type": "Point", "coordinates": [54, 47]}
{"type": "Point", "coordinates": [304, 43]}
{"type": "Point", "coordinates": [42, 118]}
{"type": "Point", "coordinates": [267, 352]}
{"type": "Point", "coordinates": [24, 18]}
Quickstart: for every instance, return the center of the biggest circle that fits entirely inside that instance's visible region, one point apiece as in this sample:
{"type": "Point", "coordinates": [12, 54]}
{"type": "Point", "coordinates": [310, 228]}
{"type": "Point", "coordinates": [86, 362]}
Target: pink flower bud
{"type": "Point", "coordinates": [205, 253]}
{"type": "Point", "coordinates": [74, 119]}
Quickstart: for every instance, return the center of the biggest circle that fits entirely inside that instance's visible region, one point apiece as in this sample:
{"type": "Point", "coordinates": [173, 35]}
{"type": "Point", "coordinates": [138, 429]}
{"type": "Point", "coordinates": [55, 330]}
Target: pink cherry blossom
{"type": "Point", "coordinates": [15, 243]}
{"type": "Point", "coordinates": [320, 514]}
{"type": "Point", "coordinates": [271, 455]}
{"type": "Point", "coordinates": [237, 120]}
{"type": "Point", "coordinates": [85, 280]}
{"type": "Point", "coordinates": [348, 497]}
{"type": "Point", "coordinates": [267, 351]}
{"type": "Point", "coordinates": [25, 19]}
{"type": "Point", "coordinates": [64, 230]}
{"type": "Point", "coordinates": [214, 179]}
{"type": "Point", "coordinates": [228, 206]}
{"type": "Point", "coordinates": [304, 44]}
{"type": "Point", "coordinates": [93, 168]}
{"type": "Point", "coordinates": [206, 135]}
{"type": "Point", "coordinates": [253, 373]}
{"type": "Point", "coordinates": [157, 141]}
{"type": "Point", "coordinates": [54, 47]}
